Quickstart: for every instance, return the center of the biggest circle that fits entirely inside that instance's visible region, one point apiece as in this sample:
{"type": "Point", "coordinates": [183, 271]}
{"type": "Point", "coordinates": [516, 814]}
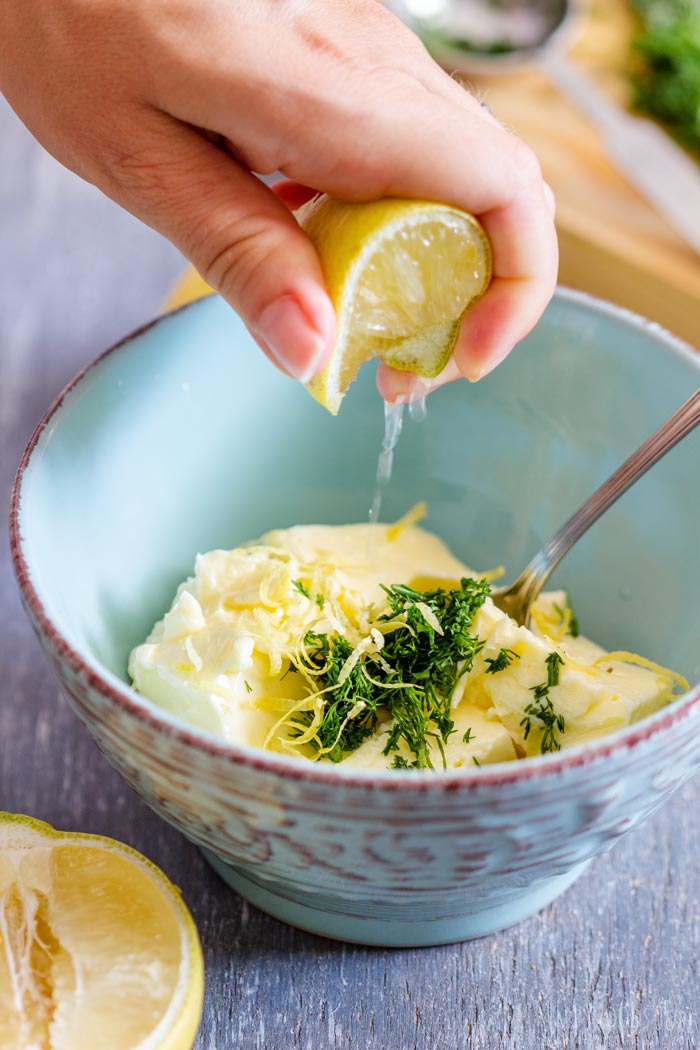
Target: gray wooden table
{"type": "Point", "coordinates": [614, 963]}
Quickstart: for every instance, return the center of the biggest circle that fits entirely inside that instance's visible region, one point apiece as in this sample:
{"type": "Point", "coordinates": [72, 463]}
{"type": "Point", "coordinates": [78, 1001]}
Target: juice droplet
{"type": "Point", "coordinates": [376, 506]}
{"type": "Point", "coordinates": [417, 408]}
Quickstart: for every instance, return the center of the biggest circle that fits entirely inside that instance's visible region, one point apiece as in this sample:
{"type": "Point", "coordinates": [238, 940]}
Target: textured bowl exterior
{"type": "Point", "coordinates": [402, 860]}
{"type": "Point", "coordinates": [388, 858]}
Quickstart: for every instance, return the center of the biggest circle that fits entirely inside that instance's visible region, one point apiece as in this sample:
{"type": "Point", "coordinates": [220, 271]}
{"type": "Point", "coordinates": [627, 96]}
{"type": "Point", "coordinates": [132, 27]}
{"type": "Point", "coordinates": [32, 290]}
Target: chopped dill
{"type": "Point", "coordinates": [248, 686]}
{"type": "Point", "coordinates": [499, 663]}
{"type": "Point", "coordinates": [412, 679]}
{"type": "Point", "coordinates": [399, 762]}
{"type": "Point", "coordinates": [475, 760]}
{"type": "Point", "coordinates": [320, 600]}
{"type": "Point", "coordinates": [300, 586]}
{"type": "Point", "coordinates": [572, 628]}
{"type": "Point", "coordinates": [467, 736]}
{"type": "Point", "coordinates": [338, 732]}
{"type": "Point", "coordinates": [553, 662]}
{"type": "Point", "coordinates": [542, 708]}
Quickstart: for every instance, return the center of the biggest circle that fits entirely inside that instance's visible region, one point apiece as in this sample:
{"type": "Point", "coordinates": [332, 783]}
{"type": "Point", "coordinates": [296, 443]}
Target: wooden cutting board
{"type": "Point", "coordinates": [612, 242]}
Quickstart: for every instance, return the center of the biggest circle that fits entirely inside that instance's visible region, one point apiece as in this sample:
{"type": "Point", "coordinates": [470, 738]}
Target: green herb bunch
{"type": "Point", "coordinates": [667, 85]}
{"type": "Point", "coordinates": [428, 646]}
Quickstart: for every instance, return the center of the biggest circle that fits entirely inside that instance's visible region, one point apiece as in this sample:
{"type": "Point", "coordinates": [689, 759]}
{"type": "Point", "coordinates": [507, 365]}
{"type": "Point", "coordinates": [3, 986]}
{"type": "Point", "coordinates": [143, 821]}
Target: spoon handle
{"type": "Point", "coordinates": [683, 420]}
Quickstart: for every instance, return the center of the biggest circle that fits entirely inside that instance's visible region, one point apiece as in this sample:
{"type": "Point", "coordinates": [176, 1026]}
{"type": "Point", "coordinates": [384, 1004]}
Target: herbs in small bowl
{"type": "Point", "coordinates": [667, 80]}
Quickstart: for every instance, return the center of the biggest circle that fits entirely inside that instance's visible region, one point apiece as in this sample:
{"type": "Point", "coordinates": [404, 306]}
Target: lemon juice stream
{"type": "Point", "coordinates": [393, 422]}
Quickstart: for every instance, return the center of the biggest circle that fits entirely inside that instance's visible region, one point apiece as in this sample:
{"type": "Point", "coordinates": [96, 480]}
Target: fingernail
{"type": "Point", "coordinates": [404, 393]}
{"type": "Point", "coordinates": [393, 387]}
{"type": "Point", "coordinates": [395, 397]}
{"type": "Point", "coordinates": [294, 343]}
{"type": "Point", "coordinates": [481, 371]}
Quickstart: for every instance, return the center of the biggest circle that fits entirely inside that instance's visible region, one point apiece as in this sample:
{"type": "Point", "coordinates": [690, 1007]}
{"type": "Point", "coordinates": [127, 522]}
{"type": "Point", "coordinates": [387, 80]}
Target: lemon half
{"type": "Point", "coordinates": [97, 949]}
{"type": "Point", "coordinates": [401, 274]}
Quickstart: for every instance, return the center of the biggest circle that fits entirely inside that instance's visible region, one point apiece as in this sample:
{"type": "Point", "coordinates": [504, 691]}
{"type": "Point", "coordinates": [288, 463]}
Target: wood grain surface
{"type": "Point", "coordinates": [613, 964]}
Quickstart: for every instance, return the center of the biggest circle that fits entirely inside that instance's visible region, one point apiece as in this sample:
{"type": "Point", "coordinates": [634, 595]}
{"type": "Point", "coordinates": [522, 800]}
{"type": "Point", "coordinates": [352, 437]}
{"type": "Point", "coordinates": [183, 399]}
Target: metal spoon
{"type": "Point", "coordinates": [517, 599]}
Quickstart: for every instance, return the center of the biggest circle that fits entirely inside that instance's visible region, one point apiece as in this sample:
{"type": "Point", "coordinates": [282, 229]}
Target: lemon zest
{"type": "Point", "coordinates": [572, 664]}
{"type": "Point", "coordinates": [493, 574]}
{"type": "Point", "coordinates": [553, 629]}
{"type": "Point", "coordinates": [391, 685]}
{"type": "Point", "coordinates": [308, 703]}
{"type": "Point", "coordinates": [352, 713]}
{"type": "Point", "coordinates": [672, 678]}
{"type": "Point", "coordinates": [366, 645]}
{"type": "Point", "coordinates": [415, 514]}
{"type": "Point", "coordinates": [271, 704]}
{"type": "Point", "coordinates": [429, 617]}
{"type": "Point", "coordinates": [195, 658]}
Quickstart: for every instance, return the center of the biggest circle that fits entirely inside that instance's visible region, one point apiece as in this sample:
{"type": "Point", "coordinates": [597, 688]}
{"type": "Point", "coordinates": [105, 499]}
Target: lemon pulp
{"type": "Point", "coordinates": [97, 949]}
{"type": "Point", "coordinates": [401, 274]}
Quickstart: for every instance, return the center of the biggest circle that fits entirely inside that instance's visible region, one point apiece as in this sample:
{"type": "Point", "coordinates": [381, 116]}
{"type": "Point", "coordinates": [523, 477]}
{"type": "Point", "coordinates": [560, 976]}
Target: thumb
{"type": "Point", "coordinates": [240, 237]}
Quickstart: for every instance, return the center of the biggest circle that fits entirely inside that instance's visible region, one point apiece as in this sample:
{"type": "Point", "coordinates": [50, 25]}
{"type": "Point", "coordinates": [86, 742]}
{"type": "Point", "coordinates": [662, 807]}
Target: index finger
{"type": "Point", "coordinates": [461, 158]}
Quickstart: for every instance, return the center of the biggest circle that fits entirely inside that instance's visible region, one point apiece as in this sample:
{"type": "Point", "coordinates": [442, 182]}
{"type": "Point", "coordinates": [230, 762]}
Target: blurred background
{"type": "Point", "coordinates": [573, 79]}
{"type": "Point", "coordinates": [607, 93]}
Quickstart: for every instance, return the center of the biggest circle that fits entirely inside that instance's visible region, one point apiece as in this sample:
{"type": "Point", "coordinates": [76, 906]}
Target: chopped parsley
{"type": "Point", "coordinates": [542, 708]}
{"type": "Point", "coordinates": [467, 736]}
{"type": "Point", "coordinates": [499, 663]}
{"type": "Point", "coordinates": [320, 600]}
{"type": "Point", "coordinates": [411, 679]}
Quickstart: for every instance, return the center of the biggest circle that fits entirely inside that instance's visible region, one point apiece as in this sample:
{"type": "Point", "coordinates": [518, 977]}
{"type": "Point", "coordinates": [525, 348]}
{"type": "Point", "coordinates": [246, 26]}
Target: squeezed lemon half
{"type": "Point", "coordinates": [401, 274]}
{"type": "Point", "coordinates": [97, 949]}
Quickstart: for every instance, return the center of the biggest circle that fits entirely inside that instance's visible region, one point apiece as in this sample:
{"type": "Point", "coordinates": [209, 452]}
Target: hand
{"type": "Point", "coordinates": [169, 107]}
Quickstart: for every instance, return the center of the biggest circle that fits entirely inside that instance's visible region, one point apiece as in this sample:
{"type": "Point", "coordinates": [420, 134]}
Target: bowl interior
{"type": "Point", "coordinates": [186, 439]}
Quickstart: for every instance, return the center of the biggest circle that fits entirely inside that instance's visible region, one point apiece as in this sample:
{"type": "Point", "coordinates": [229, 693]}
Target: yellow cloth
{"type": "Point", "coordinates": [188, 288]}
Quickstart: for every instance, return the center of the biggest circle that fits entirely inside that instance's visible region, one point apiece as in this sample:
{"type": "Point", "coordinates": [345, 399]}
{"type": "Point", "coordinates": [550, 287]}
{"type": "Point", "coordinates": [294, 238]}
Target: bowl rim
{"type": "Point", "coordinates": [131, 703]}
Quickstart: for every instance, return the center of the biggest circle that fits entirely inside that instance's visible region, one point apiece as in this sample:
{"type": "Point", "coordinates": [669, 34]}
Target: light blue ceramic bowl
{"type": "Point", "coordinates": [184, 438]}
